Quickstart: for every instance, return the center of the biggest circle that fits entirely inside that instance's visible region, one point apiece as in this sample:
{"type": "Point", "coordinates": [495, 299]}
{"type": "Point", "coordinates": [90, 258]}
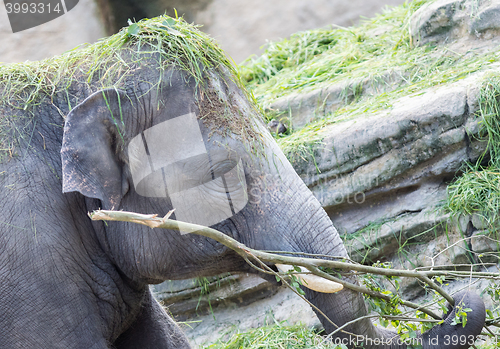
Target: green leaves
{"type": "Point", "coordinates": [133, 29]}
{"type": "Point", "coordinates": [294, 281]}
{"type": "Point", "coordinates": [379, 305]}
{"type": "Point", "coordinates": [170, 22]}
{"type": "Point", "coordinates": [461, 316]}
{"type": "Point", "coordinates": [167, 25]}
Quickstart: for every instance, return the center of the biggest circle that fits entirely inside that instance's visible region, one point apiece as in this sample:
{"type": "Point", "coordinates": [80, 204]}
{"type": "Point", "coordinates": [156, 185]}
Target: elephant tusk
{"type": "Point", "coordinates": [313, 282]}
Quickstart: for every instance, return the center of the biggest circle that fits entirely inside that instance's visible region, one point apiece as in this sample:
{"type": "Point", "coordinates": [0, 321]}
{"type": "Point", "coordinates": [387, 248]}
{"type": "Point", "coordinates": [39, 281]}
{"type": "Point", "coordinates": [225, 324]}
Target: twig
{"type": "Point", "coordinates": [371, 293]}
{"type": "Point", "coordinates": [409, 319]}
{"type": "Point", "coordinates": [349, 323]}
{"type": "Point", "coordinates": [438, 289]}
{"type": "Point", "coordinates": [313, 265]}
{"type": "Point", "coordinates": [301, 296]}
{"type": "Point", "coordinates": [312, 255]}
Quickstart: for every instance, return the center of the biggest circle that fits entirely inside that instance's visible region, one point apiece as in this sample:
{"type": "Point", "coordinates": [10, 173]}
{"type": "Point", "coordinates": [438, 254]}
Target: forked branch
{"type": "Point", "coordinates": [311, 264]}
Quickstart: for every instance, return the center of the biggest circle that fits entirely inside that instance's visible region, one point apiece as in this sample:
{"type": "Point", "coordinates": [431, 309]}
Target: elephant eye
{"type": "Point", "coordinates": [219, 169]}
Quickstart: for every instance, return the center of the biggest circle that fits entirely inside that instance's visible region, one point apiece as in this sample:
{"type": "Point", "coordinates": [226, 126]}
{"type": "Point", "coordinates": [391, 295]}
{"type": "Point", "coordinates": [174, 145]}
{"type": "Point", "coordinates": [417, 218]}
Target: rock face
{"type": "Point", "coordinates": [188, 298]}
{"type": "Point", "coordinates": [305, 107]}
{"type": "Point", "coordinates": [382, 177]}
{"type": "Point", "coordinates": [451, 20]}
{"type": "Point", "coordinates": [395, 163]}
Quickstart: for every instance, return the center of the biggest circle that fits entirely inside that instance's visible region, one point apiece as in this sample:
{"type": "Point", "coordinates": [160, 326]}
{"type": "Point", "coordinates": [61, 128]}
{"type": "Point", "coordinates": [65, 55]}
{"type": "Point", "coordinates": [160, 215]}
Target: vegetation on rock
{"type": "Point", "coordinates": [477, 191]}
{"type": "Point", "coordinates": [376, 62]}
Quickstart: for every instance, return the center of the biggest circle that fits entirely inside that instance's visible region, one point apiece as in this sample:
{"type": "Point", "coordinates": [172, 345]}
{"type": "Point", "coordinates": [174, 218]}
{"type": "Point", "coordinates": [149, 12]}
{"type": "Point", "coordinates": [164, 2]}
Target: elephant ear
{"type": "Point", "coordinates": [90, 164]}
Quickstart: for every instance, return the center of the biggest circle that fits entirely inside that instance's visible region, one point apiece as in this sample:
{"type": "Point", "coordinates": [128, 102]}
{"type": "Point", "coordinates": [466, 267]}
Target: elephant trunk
{"type": "Point", "coordinates": [290, 211]}
{"type": "Point", "coordinates": [347, 305]}
{"type": "Point", "coordinates": [448, 336]}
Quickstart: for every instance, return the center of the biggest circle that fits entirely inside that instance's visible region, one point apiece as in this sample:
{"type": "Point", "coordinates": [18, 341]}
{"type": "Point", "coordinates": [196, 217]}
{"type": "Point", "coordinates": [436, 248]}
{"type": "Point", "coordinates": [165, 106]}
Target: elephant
{"type": "Point", "coordinates": [164, 135]}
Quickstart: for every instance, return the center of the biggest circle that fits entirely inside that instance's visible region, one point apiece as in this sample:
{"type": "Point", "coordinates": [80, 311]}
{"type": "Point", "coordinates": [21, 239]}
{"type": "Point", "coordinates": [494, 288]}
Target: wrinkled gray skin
{"type": "Point", "coordinates": [68, 282]}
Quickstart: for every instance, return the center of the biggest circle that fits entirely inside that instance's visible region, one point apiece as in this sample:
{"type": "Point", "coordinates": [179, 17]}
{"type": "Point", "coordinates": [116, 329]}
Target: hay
{"type": "Point", "coordinates": [157, 44]}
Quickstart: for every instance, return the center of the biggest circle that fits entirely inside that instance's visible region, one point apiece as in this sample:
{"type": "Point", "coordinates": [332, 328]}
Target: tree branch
{"type": "Point", "coordinates": [313, 265]}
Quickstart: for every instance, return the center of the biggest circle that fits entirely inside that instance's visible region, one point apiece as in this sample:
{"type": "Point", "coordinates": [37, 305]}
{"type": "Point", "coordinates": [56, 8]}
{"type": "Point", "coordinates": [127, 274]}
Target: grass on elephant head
{"type": "Point", "coordinates": [109, 61]}
{"type": "Point", "coordinates": [279, 336]}
{"type": "Point", "coordinates": [160, 43]}
{"type": "Point", "coordinates": [374, 62]}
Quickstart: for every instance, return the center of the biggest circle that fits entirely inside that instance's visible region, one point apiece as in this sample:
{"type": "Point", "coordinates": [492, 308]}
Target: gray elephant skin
{"type": "Point", "coordinates": [158, 140]}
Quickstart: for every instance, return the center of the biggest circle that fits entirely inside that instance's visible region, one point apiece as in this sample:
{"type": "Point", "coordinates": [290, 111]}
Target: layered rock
{"type": "Point", "coordinates": [452, 20]}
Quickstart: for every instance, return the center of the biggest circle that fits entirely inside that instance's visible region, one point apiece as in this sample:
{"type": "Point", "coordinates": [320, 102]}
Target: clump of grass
{"type": "Point", "coordinates": [477, 190]}
{"type": "Point", "coordinates": [165, 40]}
{"type": "Point", "coordinates": [140, 54]}
{"type": "Point", "coordinates": [312, 58]}
{"type": "Point", "coordinates": [287, 54]}
{"type": "Point", "coordinates": [278, 336]}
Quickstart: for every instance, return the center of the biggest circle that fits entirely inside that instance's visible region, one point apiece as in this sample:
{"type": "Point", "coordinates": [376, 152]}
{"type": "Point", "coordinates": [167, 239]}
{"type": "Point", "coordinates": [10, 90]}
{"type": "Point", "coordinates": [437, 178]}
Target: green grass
{"type": "Point", "coordinates": [281, 336]}
{"type": "Point", "coordinates": [61, 82]}
{"type": "Point", "coordinates": [378, 46]}
{"type": "Point", "coordinates": [378, 54]}
{"type": "Point", "coordinates": [164, 41]}
{"type": "Point", "coordinates": [477, 190]}
{"type": "Point", "coordinates": [278, 336]}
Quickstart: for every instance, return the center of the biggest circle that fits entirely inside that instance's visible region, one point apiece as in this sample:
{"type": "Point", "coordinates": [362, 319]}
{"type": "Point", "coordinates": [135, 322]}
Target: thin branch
{"type": "Point", "coordinates": [312, 255]}
{"type": "Point", "coordinates": [330, 335]}
{"type": "Point", "coordinates": [455, 265]}
{"type": "Point", "coordinates": [301, 296]}
{"type": "Point", "coordinates": [371, 293]}
{"type": "Point", "coordinates": [313, 265]}
{"type": "Point", "coordinates": [409, 319]}
{"type": "Point", "coordinates": [438, 289]}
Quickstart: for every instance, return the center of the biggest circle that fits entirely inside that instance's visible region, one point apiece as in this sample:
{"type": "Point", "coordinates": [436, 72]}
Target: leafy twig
{"type": "Point", "coordinates": [313, 265]}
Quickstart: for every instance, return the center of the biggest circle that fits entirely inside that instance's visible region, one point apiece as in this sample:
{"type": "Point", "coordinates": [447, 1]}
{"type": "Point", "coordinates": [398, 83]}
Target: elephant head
{"type": "Point", "coordinates": [203, 150]}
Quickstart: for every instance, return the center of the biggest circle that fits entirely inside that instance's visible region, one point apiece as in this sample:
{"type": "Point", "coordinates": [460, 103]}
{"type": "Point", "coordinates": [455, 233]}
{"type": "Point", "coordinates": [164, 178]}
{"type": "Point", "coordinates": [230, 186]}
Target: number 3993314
{"type": "Point", "coordinates": [33, 7]}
